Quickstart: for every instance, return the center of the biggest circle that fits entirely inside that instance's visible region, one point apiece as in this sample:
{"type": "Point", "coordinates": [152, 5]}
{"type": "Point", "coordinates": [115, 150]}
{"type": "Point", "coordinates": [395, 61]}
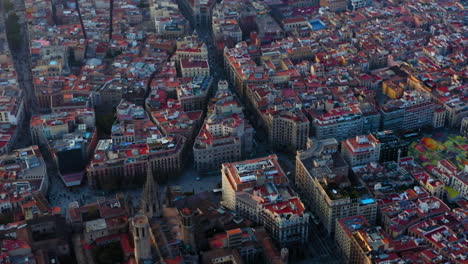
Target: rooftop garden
{"type": "Point", "coordinates": [353, 192]}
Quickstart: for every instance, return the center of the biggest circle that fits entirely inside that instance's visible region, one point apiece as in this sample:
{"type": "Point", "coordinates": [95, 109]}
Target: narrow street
{"type": "Point", "coordinates": [22, 59]}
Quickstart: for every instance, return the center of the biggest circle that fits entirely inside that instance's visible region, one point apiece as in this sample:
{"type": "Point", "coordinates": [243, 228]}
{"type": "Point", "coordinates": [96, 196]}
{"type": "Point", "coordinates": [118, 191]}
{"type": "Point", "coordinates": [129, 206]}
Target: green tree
{"type": "Point", "coordinates": [6, 218]}
{"type": "Point", "coordinates": [108, 254]}
{"type": "Point", "coordinates": [104, 124]}
{"type": "Point", "coordinates": [13, 32]}
{"type": "Point", "coordinates": [7, 5]}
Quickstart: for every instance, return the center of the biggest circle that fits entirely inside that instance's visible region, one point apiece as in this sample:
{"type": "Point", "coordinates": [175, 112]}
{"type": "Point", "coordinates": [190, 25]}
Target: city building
{"type": "Point", "coordinates": [156, 231]}
{"type": "Point", "coordinates": [335, 5]}
{"type": "Point", "coordinates": [25, 167]}
{"type": "Point", "coordinates": [11, 109]}
{"type": "Point", "coordinates": [392, 118]}
{"type": "Point", "coordinates": [432, 185]}
{"type": "Point", "coordinates": [361, 150]}
{"type": "Point", "coordinates": [112, 92]}
{"type": "Point", "coordinates": [440, 117]}
{"type": "Point", "coordinates": [340, 123]}
{"type": "Point", "coordinates": [200, 214]}
{"type": "Point", "coordinates": [258, 189]}
{"type": "Point", "coordinates": [360, 242]}
{"type": "Point", "coordinates": [452, 176]}
{"type": "Point", "coordinates": [443, 234]}
{"type": "Point", "coordinates": [322, 181]}
{"type": "Point", "coordinates": [394, 90]}
{"type": "Point", "coordinates": [242, 69]}
{"type": "Point", "coordinates": [226, 28]}
{"type": "Point", "coordinates": [464, 127]}
{"type": "Point", "coordinates": [287, 128]}
{"type": "Point", "coordinates": [70, 138]}
{"type": "Point", "coordinates": [456, 110]}
{"type": "Point", "coordinates": [173, 121]}
{"type": "Point", "coordinates": [368, 242]}
{"type": "Point", "coordinates": [383, 179]}
{"type": "Point", "coordinates": [132, 124]}
{"type": "Point", "coordinates": [8, 136]}
{"type": "Point", "coordinates": [109, 214]}
{"type": "Point", "coordinates": [192, 68]}
{"type": "Point", "coordinates": [398, 216]}
{"type": "Point", "coordinates": [22, 200]}
{"type": "Point", "coordinates": [168, 19]}
{"type": "Point", "coordinates": [331, 70]}
{"type": "Point", "coordinates": [268, 28]}
{"type": "Point", "coordinates": [356, 4]}
{"type": "Point", "coordinates": [253, 245]}
{"type": "Point", "coordinates": [225, 136]}
{"type": "Point", "coordinates": [54, 126]}
{"type": "Point", "coordinates": [119, 165]}
{"type": "Point", "coordinates": [232, 173]}
{"type": "Point", "coordinates": [344, 230]}
{"type": "Point", "coordinates": [190, 47]}
{"type": "Point", "coordinates": [100, 223]}
{"type": "Point", "coordinates": [278, 112]}
{"type": "Point", "coordinates": [193, 95]}
{"type": "Point", "coordinates": [414, 110]}
{"type": "Point", "coordinates": [392, 147]}
{"type": "Point", "coordinates": [222, 255]}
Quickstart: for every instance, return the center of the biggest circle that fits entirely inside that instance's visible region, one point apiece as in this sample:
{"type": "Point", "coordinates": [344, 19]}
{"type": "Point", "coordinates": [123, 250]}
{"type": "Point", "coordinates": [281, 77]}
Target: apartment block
{"type": "Point", "coordinates": [277, 110]}
{"type": "Point", "coordinates": [361, 150]}
{"type": "Point", "coordinates": [193, 94]}
{"type": "Point", "coordinates": [225, 136]}
{"type": "Point", "coordinates": [456, 111]}
{"type": "Point", "coordinates": [190, 47]}
{"type": "Point", "coordinates": [335, 5]}
{"type": "Point", "coordinates": [322, 181]}
{"type": "Point", "coordinates": [119, 165]}
{"type": "Point", "coordinates": [414, 110]}
{"type": "Point", "coordinates": [440, 117]}
{"type": "Point", "coordinates": [11, 109]}
{"type": "Point", "coordinates": [443, 235]}
{"type": "Point", "coordinates": [25, 167]}
{"type": "Point", "coordinates": [192, 68]}
{"type": "Point", "coordinates": [287, 128]}
{"type": "Point", "coordinates": [464, 127]}
{"type": "Point", "coordinates": [356, 4]}
{"type": "Point", "coordinates": [392, 147]}
{"type": "Point", "coordinates": [258, 189]}
{"type": "Point", "coordinates": [253, 244]}
{"type": "Point", "coordinates": [340, 123]}
{"type": "Point", "coordinates": [242, 69]}
{"type": "Point", "coordinates": [398, 216]}
{"type": "Point", "coordinates": [344, 230]}
{"type": "Point", "coordinates": [452, 176]}
{"type": "Point", "coordinates": [431, 184]}
{"type": "Point", "coordinates": [70, 138]}
{"type": "Point", "coordinates": [383, 179]}
{"type": "Point", "coordinates": [367, 243]}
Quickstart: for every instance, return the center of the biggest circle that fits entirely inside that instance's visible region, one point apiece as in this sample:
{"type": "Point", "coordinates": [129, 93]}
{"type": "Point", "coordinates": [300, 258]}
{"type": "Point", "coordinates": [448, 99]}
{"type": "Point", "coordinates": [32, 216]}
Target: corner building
{"type": "Point", "coordinates": [258, 189]}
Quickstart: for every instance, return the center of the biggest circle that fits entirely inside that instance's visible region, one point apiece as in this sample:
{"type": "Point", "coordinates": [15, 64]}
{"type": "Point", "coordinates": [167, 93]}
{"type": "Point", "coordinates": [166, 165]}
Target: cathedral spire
{"type": "Point", "coordinates": [151, 203]}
